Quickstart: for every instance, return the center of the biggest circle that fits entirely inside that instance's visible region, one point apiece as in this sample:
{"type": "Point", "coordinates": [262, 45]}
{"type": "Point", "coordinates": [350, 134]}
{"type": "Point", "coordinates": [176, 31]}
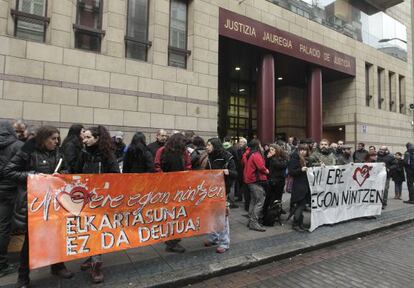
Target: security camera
{"type": "Point", "coordinates": [411, 106]}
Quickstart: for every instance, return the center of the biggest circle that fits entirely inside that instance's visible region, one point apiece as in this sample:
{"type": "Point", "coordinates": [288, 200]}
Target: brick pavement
{"type": "Point", "coordinates": [151, 266]}
{"type": "Point", "coordinates": [383, 259]}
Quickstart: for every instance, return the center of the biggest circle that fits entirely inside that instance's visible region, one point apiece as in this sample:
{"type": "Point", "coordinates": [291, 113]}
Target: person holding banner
{"type": "Point", "coordinates": [97, 157]}
{"type": "Point", "coordinates": [39, 155]}
{"type": "Point", "coordinates": [255, 176]}
{"type": "Point", "coordinates": [173, 156]}
{"type": "Point", "coordinates": [218, 158]}
{"type": "Point", "coordinates": [300, 188]}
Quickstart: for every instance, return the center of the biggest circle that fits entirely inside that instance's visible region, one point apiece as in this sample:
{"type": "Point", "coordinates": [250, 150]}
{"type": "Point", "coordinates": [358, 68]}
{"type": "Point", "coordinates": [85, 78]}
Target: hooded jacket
{"type": "Point", "coordinates": [9, 145]}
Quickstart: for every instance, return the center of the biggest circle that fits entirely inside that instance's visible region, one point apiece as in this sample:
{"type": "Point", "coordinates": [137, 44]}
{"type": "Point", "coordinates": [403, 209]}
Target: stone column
{"type": "Point", "coordinates": [314, 108]}
{"type": "Point", "coordinates": [266, 100]}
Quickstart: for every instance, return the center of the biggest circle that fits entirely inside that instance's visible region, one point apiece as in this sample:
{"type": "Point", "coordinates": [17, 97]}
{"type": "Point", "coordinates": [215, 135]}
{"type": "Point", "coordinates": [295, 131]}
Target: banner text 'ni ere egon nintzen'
{"type": "Point", "coordinates": [76, 216]}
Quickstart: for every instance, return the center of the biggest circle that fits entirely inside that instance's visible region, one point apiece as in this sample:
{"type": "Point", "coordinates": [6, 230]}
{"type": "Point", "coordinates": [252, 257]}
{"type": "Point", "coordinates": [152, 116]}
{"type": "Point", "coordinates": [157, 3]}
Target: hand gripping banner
{"type": "Point", "coordinates": [340, 193]}
{"type": "Point", "coordinates": [76, 216]}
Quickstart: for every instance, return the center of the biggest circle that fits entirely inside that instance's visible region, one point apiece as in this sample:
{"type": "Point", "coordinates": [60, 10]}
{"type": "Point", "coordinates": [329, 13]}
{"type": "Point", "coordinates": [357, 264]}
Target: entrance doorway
{"type": "Point", "coordinates": [237, 89]}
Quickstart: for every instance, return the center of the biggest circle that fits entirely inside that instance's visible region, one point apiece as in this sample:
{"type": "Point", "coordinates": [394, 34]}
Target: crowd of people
{"type": "Point", "coordinates": [256, 175]}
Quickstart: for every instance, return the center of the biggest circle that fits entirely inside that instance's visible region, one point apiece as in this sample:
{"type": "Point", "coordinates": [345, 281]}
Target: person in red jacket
{"type": "Point", "coordinates": [173, 156]}
{"type": "Point", "coordinates": [255, 176]}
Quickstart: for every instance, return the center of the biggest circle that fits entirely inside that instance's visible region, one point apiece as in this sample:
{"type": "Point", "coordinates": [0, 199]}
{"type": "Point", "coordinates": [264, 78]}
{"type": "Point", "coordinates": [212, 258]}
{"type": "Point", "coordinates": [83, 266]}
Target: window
{"type": "Point", "coordinates": [368, 95]}
{"type": "Point", "coordinates": [401, 93]}
{"type": "Point", "coordinates": [88, 27]}
{"type": "Point", "coordinates": [391, 91]}
{"type": "Point", "coordinates": [177, 49]}
{"type": "Point", "coordinates": [380, 74]}
{"type": "Point", "coordinates": [30, 19]}
{"type": "Point", "coordinates": [136, 39]}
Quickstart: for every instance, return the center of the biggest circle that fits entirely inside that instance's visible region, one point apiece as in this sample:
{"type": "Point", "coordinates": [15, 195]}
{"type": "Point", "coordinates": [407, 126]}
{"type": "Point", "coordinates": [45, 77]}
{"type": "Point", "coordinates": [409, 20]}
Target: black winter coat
{"type": "Point", "coordinates": [138, 162]}
{"type": "Point", "coordinates": [300, 187]}
{"type": "Point", "coordinates": [360, 156]}
{"type": "Point", "coordinates": [29, 160]}
{"type": "Point", "coordinates": [223, 160]}
{"type": "Point", "coordinates": [397, 171]}
{"type": "Point", "coordinates": [71, 151]}
{"type": "Point", "coordinates": [409, 159]}
{"type": "Point", "coordinates": [277, 169]}
{"type": "Point", "coordinates": [92, 161]}
{"type": "Point", "coordinates": [387, 159]}
{"type": "Point", "coordinates": [153, 147]}
{"type": "Point", "coordinates": [9, 145]}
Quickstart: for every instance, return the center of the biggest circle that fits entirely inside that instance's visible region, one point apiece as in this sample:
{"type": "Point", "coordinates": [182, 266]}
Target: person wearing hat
{"type": "Point", "coordinates": [118, 139]}
{"type": "Point", "coordinates": [346, 155]}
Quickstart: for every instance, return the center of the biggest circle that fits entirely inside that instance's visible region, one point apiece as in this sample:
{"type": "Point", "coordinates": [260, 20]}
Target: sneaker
{"type": "Point", "coordinates": [221, 250]}
{"type": "Point", "coordinates": [8, 269]}
{"type": "Point", "coordinates": [175, 249]}
{"type": "Point", "coordinates": [256, 227]}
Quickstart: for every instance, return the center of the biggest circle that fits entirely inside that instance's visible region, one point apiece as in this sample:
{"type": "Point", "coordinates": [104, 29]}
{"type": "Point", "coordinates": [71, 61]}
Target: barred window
{"type": "Point", "coordinates": [30, 19]}
{"type": "Point", "coordinates": [177, 49]}
{"type": "Point", "coordinates": [88, 27]}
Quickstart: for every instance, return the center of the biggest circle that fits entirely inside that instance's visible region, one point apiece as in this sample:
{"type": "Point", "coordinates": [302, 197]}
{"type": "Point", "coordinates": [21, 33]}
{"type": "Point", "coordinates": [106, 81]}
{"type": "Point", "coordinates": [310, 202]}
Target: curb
{"type": "Point", "coordinates": [252, 261]}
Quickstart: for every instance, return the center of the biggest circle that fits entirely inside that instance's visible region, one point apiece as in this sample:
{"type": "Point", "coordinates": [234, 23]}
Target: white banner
{"type": "Point", "coordinates": [345, 192]}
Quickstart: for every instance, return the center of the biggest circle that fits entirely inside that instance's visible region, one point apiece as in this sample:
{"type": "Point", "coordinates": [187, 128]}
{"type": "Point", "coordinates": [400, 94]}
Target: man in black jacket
{"type": "Point", "coordinates": [9, 145]}
{"type": "Point", "coordinates": [162, 137]}
{"type": "Point", "coordinates": [360, 154]}
{"type": "Point", "coordinates": [386, 157]}
{"type": "Point", "coordinates": [409, 170]}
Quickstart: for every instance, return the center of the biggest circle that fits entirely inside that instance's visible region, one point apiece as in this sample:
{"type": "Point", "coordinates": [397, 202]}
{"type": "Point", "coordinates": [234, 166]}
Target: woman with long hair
{"type": "Point", "coordinates": [218, 158]}
{"type": "Point", "coordinates": [255, 176]}
{"type": "Point", "coordinates": [38, 155]}
{"type": "Point", "coordinates": [138, 158]}
{"type": "Point", "coordinates": [300, 188]}
{"type": "Point", "coordinates": [97, 157]}
{"type": "Point", "coordinates": [72, 146]}
{"type": "Point", "coordinates": [173, 156]}
{"type": "Point", "coordinates": [276, 162]}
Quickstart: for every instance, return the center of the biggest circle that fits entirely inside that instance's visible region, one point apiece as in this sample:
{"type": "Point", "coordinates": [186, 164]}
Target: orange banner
{"type": "Point", "coordinates": [76, 216]}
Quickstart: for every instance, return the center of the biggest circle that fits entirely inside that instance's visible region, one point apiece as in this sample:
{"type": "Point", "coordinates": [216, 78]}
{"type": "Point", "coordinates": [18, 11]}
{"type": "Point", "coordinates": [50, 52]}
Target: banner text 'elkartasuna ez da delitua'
{"type": "Point", "coordinates": [76, 216]}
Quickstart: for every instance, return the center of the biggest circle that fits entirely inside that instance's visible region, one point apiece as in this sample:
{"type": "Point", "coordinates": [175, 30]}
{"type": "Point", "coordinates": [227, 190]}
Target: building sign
{"type": "Point", "coordinates": [247, 30]}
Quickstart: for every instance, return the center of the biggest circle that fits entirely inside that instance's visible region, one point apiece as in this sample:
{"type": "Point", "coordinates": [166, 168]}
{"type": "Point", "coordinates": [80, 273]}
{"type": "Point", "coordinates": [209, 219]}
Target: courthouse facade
{"type": "Point", "coordinates": [339, 69]}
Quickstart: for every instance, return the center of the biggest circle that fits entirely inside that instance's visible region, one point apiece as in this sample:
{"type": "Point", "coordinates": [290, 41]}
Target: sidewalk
{"type": "Point", "coordinates": [151, 266]}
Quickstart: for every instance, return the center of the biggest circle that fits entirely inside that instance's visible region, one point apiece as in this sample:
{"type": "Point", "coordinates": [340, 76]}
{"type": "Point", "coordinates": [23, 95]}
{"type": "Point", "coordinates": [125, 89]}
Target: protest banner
{"type": "Point", "coordinates": [76, 216]}
{"type": "Point", "coordinates": [340, 193]}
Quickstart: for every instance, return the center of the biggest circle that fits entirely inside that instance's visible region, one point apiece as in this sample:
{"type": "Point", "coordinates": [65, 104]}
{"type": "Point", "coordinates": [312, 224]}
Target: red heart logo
{"type": "Point", "coordinates": [361, 174]}
{"type": "Point", "coordinates": [74, 201]}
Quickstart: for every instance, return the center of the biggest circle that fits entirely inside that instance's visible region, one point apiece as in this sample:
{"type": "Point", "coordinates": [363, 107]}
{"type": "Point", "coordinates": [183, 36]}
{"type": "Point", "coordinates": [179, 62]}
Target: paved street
{"type": "Point", "coordinates": [384, 259]}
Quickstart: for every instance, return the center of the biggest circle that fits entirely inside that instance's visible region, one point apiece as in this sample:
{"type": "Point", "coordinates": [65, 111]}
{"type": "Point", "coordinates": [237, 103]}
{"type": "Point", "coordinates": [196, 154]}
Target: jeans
{"type": "Point", "coordinates": [385, 196]}
{"type": "Point", "coordinates": [257, 194]}
{"type": "Point", "coordinates": [6, 213]}
{"type": "Point", "coordinates": [222, 238]}
{"type": "Point", "coordinates": [398, 188]}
